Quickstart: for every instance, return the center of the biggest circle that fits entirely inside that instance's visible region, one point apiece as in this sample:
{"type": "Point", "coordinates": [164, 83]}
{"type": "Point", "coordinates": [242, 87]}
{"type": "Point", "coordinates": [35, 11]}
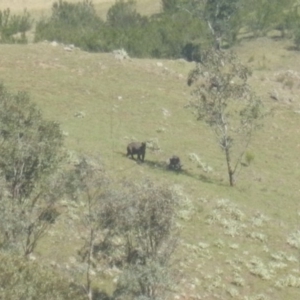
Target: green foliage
{"type": "Point", "coordinates": [30, 155]}
{"type": "Point", "coordinates": [176, 32]}
{"type": "Point", "coordinates": [297, 38]}
{"type": "Point", "coordinates": [288, 22]}
{"type": "Point", "coordinates": [294, 25]}
{"type": "Point", "coordinates": [124, 15]}
{"type": "Point", "coordinates": [87, 182]}
{"type": "Point", "coordinates": [223, 17]}
{"type": "Point", "coordinates": [29, 144]}
{"type": "Point", "coordinates": [127, 29]}
{"type": "Point", "coordinates": [131, 227]}
{"type": "Point", "coordinates": [225, 101]}
{"type": "Point", "coordinates": [23, 279]}
{"type": "Point", "coordinates": [261, 16]}
{"type": "Point", "coordinates": [170, 6]}
{"type": "Point", "coordinates": [164, 36]}
{"type": "Point", "coordinates": [72, 23]}
{"type": "Point", "coordinates": [70, 14]}
{"type": "Point", "coordinates": [183, 29]}
{"type": "Point", "coordinates": [11, 25]}
{"type": "Point", "coordinates": [249, 157]}
{"type": "Point", "coordinates": [141, 219]}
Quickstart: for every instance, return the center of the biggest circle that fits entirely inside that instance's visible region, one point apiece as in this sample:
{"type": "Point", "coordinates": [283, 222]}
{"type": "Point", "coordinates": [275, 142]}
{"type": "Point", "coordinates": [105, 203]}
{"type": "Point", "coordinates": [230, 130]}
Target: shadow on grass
{"type": "Point", "coordinates": [97, 293]}
{"type": "Point", "coordinates": [101, 295]}
{"type": "Point", "coordinates": [292, 48]}
{"type": "Point", "coordinates": [163, 167]}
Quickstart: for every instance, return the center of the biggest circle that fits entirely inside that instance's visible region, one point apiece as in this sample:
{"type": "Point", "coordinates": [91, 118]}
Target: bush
{"type": "Point", "coordinates": [263, 16]}
{"type": "Point", "coordinates": [128, 29]}
{"type": "Point", "coordinates": [192, 51]}
{"type": "Point", "coordinates": [178, 31]}
{"type": "Point", "coordinates": [249, 157]}
{"type": "Point", "coordinates": [170, 6]}
{"type": "Point", "coordinates": [30, 157]}
{"type": "Point", "coordinates": [23, 279]}
{"type": "Point", "coordinates": [297, 38]}
{"type": "Point", "coordinates": [140, 220]}
{"type": "Point", "coordinates": [163, 36]}
{"type": "Point", "coordinates": [124, 15]}
{"type": "Point", "coordinates": [72, 23]}
{"type": "Point", "coordinates": [131, 227]}
{"type": "Point", "coordinates": [11, 25]}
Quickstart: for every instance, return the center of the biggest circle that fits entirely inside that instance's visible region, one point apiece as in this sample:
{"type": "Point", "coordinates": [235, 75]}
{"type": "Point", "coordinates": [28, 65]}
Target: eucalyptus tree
{"type": "Point", "coordinates": [225, 101]}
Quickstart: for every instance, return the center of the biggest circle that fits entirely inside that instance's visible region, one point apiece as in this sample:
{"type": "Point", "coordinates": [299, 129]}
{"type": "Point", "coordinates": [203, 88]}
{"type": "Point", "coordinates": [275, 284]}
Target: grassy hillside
{"type": "Point", "coordinates": [236, 243]}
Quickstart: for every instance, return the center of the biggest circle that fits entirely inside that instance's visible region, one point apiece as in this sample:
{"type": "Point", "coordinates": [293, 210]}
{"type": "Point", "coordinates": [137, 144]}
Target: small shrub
{"type": "Point", "coordinates": [259, 220]}
{"type": "Point", "coordinates": [251, 59]}
{"type": "Point", "coordinates": [293, 239]}
{"type": "Point", "coordinates": [297, 38]}
{"type": "Point", "coordinates": [31, 157]}
{"type": "Point", "coordinates": [238, 280]}
{"type": "Point", "coordinates": [12, 25]}
{"type": "Point", "coordinates": [23, 279]}
{"type": "Point", "coordinates": [49, 215]}
{"type": "Point", "coordinates": [289, 83]}
{"type": "Point", "coordinates": [249, 157]}
{"type": "Point", "coordinates": [259, 269]}
{"type": "Point", "coordinates": [288, 281]}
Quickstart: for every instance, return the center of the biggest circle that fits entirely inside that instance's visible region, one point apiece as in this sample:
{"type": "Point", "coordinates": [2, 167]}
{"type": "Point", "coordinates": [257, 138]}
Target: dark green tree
{"type": "Point", "coordinates": [170, 6]}
{"type": "Point", "coordinates": [72, 23]}
{"type": "Point", "coordinates": [262, 16]}
{"type": "Point", "coordinates": [222, 17]}
{"type": "Point", "coordinates": [123, 15]}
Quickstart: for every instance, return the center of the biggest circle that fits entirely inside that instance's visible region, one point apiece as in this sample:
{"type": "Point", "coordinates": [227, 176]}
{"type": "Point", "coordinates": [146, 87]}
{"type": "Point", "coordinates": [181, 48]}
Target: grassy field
{"type": "Point", "coordinates": [236, 243]}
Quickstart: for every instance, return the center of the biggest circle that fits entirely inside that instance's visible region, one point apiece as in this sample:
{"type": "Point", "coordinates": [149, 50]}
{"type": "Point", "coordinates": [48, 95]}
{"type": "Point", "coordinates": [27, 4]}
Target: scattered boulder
{"type": "Point", "coordinates": [153, 145]}
{"type": "Point", "coordinates": [274, 95]}
{"type": "Point", "coordinates": [120, 54]}
{"type": "Point", "coordinates": [69, 48]}
{"type": "Point", "coordinates": [79, 114]}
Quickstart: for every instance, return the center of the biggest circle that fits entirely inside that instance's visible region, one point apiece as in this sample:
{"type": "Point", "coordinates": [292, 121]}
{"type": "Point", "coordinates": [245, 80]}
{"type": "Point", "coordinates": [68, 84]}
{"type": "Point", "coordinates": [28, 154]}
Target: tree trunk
{"type": "Point", "coordinates": [229, 168]}
{"type": "Point", "coordinates": [88, 288]}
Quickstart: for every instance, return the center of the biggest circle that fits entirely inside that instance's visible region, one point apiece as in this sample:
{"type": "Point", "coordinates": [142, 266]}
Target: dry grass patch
{"type": "Point", "coordinates": [39, 8]}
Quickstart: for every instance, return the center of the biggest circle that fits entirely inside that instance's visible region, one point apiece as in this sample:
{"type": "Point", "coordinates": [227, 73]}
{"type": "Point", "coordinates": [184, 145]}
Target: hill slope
{"type": "Point", "coordinates": [240, 243]}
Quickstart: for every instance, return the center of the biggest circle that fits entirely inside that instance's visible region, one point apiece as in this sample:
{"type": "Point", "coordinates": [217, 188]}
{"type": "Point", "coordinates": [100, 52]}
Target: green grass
{"type": "Point", "coordinates": [228, 250]}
